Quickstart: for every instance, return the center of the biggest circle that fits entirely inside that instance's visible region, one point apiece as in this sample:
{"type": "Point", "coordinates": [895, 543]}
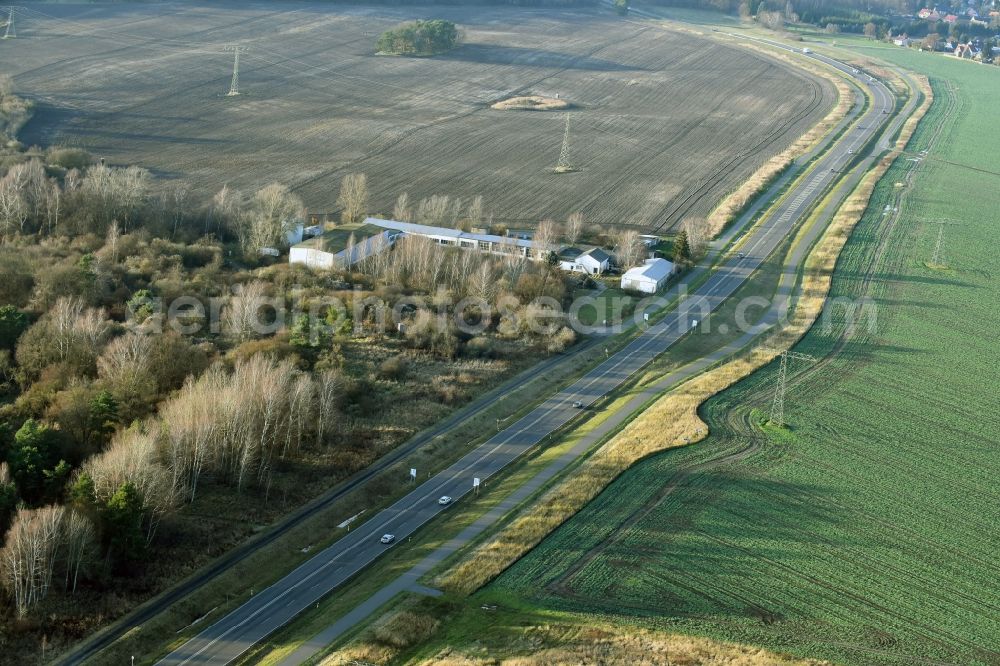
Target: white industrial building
{"type": "Point", "coordinates": [648, 278]}
{"type": "Point", "coordinates": [488, 243]}
{"type": "Point", "coordinates": [330, 250]}
{"type": "Point", "coordinates": [377, 235]}
{"type": "Point", "coordinates": [313, 255]}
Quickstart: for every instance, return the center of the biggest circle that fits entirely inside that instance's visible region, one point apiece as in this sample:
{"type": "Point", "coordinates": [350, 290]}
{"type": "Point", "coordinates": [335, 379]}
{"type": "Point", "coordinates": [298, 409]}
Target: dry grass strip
{"type": "Point", "coordinates": [567, 644]}
{"type": "Point", "coordinates": [609, 646]}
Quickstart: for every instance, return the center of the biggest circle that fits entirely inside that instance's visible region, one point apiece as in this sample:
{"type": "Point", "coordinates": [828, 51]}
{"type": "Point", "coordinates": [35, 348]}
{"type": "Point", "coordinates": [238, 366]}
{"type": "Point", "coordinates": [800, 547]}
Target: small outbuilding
{"type": "Point", "coordinates": [593, 261]}
{"type": "Point", "coordinates": [648, 278]}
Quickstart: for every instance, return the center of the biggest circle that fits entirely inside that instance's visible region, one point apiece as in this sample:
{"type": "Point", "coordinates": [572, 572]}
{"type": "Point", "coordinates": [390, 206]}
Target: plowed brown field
{"type": "Point", "coordinates": [664, 123]}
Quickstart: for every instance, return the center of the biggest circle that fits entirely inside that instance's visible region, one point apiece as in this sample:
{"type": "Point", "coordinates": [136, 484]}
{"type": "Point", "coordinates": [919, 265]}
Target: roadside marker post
{"type": "Point", "coordinates": [413, 474]}
{"type": "Point", "coordinates": [475, 484]}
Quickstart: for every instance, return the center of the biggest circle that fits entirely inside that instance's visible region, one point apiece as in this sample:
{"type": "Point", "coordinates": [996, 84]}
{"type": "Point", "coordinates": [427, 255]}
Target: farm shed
{"type": "Point", "coordinates": [335, 249]}
{"type": "Point", "coordinates": [649, 277]}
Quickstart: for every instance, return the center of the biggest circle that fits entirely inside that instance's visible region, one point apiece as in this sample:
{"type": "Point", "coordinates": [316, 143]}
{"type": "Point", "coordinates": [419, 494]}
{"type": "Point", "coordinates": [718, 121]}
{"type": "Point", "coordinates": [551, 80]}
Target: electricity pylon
{"type": "Point", "coordinates": [234, 87]}
{"type": "Point", "coordinates": [936, 258]}
{"type": "Point", "coordinates": [564, 165]}
{"type": "Point", "coordinates": [10, 31]}
{"type": "Point", "coordinates": [778, 406]}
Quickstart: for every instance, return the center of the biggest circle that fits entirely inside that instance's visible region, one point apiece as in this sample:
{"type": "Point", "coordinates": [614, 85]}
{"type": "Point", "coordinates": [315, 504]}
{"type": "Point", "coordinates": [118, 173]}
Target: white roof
{"type": "Point", "coordinates": [424, 230]}
{"type": "Point", "coordinates": [652, 269]}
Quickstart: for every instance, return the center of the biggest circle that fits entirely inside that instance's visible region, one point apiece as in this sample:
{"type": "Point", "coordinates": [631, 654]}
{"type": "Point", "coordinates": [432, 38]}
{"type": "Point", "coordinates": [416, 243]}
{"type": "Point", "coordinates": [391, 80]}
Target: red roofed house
{"type": "Point", "coordinates": [964, 51]}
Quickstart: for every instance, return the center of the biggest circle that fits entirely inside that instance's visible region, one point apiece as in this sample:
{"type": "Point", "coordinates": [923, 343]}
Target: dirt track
{"type": "Point", "coordinates": [665, 123]}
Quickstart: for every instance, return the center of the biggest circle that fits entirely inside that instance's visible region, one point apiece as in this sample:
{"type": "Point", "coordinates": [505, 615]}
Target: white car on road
{"type": "Point", "coordinates": [388, 538]}
{"type": "Point", "coordinates": [444, 500]}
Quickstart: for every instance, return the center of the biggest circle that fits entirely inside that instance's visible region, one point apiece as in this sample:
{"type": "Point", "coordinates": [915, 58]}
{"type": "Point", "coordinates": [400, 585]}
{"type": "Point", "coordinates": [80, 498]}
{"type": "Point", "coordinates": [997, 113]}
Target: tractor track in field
{"type": "Point", "coordinates": [870, 280]}
{"type": "Point", "coordinates": [560, 586]}
{"type": "Point", "coordinates": [677, 209]}
{"type": "Point", "coordinates": [971, 603]}
{"type": "Point", "coordinates": [474, 108]}
{"type": "Point", "coordinates": [105, 118]}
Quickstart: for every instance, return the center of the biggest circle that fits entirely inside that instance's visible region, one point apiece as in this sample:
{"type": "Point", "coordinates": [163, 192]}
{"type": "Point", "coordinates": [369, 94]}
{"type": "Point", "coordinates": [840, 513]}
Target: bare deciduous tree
{"type": "Point", "coordinates": [328, 386]}
{"type": "Point", "coordinates": [475, 213]}
{"type": "Point", "coordinates": [697, 235]}
{"type": "Point", "coordinates": [30, 180]}
{"type": "Point", "coordinates": [546, 238]}
{"type": "Point", "coordinates": [133, 457]}
{"type": "Point", "coordinates": [53, 206]}
{"type": "Point", "coordinates": [241, 317]}
{"type": "Point", "coordinates": [483, 284]}
{"type": "Point", "coordinates": [28, 558]}
{"type": "Point", "coordinates": [225, 210]}
{"type": "Point", "coordinates": [124, 365]}
{"type": "Point", "coordinates": [353, 199]}
{"type": "Point", "coordinates": [301, 408]}
{"type": "Point", "coordinates": [115, 194]}
{"type": "Point", "coordinates": [175, 204]}
{"type": "Point", "coordinates": [69, 333]}
{"type": "Point", "coordinates": [80, 545]}
{"type": "Point", "coordinates": [13, 208]}
{"type": "Point", "coordinates": [274, 211]}
{"type": "Point", "coordinates": [401, 211]}
{"type": "Point", "coordinates": [433, 211]}
{"type": "Point", "coordinates": [629, 249]}
{"type": "Point", "coordinates": [455, 215]}
{"type": "Point", "coordinates": [574, 228]}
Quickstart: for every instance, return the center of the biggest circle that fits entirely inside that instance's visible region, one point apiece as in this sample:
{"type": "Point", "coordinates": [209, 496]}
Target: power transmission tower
{"type": "Point", "coordinates": [10, 31]}
{"type": "Point", "coordinates": [564, 165]}
{"type": "Point", "coordinates": [234, 87]}
{"type": "Point", "coordinates": [778, 406]}
{"type": "Point", "coordinates": [936, 258]}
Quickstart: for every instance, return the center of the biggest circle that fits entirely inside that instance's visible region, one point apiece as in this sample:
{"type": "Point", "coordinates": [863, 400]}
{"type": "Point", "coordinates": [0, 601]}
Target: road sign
{"type": "Point", "coordinates": [413, 472]}
{"type": "Point", "coordinates": [475, 482]}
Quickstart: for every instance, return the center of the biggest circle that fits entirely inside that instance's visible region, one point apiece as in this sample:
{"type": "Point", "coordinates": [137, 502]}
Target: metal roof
{"type": "Point", "coordinates": [425, 230]}
{"type": "Point", "coordinates": [654, 269]}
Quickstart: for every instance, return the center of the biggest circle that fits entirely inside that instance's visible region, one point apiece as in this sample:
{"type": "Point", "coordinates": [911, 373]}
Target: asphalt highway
{"type": "Point", "coordinates": [235, 633]}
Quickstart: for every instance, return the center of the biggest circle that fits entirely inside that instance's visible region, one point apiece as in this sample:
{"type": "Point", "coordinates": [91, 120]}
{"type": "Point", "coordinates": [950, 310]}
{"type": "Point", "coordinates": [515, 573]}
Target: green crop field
{"type": "Point", "coordinates": [867, 532]}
